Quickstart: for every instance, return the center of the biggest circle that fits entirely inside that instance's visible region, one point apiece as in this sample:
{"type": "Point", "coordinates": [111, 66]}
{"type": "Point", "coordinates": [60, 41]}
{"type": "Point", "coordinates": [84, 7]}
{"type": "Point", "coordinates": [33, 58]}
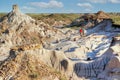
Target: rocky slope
{"type": "Point", "coordinates": [19, 29]}
{"type": "Point", "coordinates": [30, 50]}
{"type": "Point", "coordinates": [25, 66]}
{"type": "Point", "coordinates": [20, 32]}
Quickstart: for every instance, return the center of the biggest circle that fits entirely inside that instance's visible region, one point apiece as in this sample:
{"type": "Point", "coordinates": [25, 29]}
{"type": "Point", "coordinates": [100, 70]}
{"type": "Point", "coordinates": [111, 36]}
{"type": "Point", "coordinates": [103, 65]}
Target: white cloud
{"type": "Point", "coordinates": [27, 8]}
{"type": "Point", "coordinates": [85, 5]}
{"type": "Point", "coordinates": [115, 1]}
{"type": "Point", "coordinates": [69, 11]}
{"type": "Point", "coordinates": [88, 10]}
{"type": "Point", "coordinates": [97, 1]}
{"type": "Point", "coordinates": [50, 4]}
{"type": "Point", "coordinates": [103, 1]}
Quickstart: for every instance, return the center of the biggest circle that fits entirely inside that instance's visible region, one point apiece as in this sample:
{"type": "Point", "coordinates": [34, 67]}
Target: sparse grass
{"type": "Point", "coordinates": [2, 14]}
{"type": "Point", "coordinates": [34, 39]}
{"type": "Point", "coordinates": [64, 16]}
{"type": "Point", "coordinates": [55, 16]}
{"type": "Point", "coordinates": [115, 18]}
{"type": "Point", "coordinates": [33, 75]}
{"type": "Point", "coordinates": [62, 77]}
{"type": "Point", "coordinates": [68, 17]}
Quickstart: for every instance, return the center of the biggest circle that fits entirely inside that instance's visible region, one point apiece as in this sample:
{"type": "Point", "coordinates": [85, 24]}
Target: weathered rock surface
{"type": "Point", "coordinates": [26, 66]}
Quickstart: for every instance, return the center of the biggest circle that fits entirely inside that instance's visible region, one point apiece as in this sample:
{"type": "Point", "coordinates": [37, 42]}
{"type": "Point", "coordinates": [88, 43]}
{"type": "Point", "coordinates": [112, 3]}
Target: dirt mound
{"type": "Point", "coordinates": [102, 15]}
{"type": "Point", "coordinates": [89, 20]}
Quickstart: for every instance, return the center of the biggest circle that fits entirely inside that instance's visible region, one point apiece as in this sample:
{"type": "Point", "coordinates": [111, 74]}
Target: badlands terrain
{"type": "Point", "coordinates": [39, 50]}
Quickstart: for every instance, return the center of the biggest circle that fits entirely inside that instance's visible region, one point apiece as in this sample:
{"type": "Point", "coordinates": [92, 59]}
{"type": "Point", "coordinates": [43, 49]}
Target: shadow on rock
{"type": "Point", "coordinates": [64, 64]}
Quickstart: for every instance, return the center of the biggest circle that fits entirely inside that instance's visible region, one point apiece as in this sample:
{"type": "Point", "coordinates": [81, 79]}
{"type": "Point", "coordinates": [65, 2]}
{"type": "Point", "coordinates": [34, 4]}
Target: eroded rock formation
{"type": "Point", "coordinates": [30, 49]}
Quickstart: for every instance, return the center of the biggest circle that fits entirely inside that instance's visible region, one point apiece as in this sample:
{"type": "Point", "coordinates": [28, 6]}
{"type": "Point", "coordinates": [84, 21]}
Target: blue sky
{"type": "Point", "coordinates": [61, 6]}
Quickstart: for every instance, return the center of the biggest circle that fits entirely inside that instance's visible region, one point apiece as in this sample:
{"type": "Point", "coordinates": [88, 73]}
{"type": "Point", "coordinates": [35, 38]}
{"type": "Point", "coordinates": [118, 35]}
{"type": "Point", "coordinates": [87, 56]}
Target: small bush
{"type": "Point", "coordinates": [33, 75]}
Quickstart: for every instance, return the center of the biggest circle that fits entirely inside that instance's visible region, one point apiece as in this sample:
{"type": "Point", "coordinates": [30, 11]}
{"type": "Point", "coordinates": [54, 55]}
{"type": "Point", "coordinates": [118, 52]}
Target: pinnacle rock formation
{"type": "Point", "coordinates": [22, 29]}
{"type": "Point", "coordinates": [17, 17]}
{"type": "Point", "coordinates": [20, 33]}
{"type": "Point", "coordinates": [18, 29]}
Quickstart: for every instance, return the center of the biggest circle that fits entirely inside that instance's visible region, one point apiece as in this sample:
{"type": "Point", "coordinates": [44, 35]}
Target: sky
{"type": "Point", "coordinates": [61, 6]}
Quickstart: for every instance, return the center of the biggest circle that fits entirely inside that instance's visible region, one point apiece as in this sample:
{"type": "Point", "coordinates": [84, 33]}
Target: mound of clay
{"type": "Point", "coordinates": [102, 15]}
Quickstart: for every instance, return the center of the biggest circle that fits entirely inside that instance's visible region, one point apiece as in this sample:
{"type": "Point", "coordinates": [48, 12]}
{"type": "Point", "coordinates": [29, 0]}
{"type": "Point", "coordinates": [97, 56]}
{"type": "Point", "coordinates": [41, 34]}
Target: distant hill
{"type": "Point", "coordinates": [91, 19]}
{"type": "Point", "coordinates": [67, 17]}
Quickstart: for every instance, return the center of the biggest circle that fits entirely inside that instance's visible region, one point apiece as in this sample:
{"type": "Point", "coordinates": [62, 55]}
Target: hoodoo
{"type": "Point", "coordinates": [15, 8]}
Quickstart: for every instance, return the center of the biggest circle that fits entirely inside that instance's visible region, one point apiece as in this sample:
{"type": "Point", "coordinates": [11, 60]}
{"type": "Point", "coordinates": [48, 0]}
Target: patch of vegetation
{"type": "Point", "coordinates": [55, 16]}
{"type": "Point", "coordinates": [2, 14]}
{"type": "Point", "coordinates": [62, 77]}
{"type": "Point", "coordinates": [37, 16]}
{"type": "Point", "coordinates": [115, 18]}
{"type": "Point", "coordinates": [60, 18]}
{"type": "Point", "coordinates": [33, 75]}
{"type": "Point", "coordinates": [65, 16]}
{"type": "Point", "coordinates": [34, 39]}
